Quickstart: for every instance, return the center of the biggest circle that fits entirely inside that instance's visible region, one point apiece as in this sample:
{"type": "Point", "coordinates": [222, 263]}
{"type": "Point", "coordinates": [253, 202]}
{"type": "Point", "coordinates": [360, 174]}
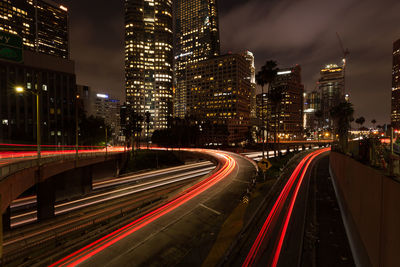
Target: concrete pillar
{"type": "Point", "coordinates": [6, 220]}
{"type": "Point", "coordinates": [45, 200]}
{"type": "Point", "coordinates": [87, 180]}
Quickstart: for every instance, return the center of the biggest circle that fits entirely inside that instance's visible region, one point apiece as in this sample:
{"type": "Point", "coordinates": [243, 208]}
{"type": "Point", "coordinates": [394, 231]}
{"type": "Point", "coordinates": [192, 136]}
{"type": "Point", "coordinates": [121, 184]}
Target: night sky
{"type": "Point", "coordinates": [289, 31]}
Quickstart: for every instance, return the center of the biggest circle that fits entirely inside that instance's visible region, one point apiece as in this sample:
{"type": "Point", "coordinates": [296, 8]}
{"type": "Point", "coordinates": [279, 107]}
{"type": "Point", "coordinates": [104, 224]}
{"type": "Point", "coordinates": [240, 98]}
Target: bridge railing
{"type": "Point", "coordinates": [24, 163]}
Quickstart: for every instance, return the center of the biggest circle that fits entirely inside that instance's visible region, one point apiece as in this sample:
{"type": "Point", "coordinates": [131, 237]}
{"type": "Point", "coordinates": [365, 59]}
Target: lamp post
{"type": "Point", "coordinates": [20, 90]}
{"type": "Point", "coordinates": [76, 127]}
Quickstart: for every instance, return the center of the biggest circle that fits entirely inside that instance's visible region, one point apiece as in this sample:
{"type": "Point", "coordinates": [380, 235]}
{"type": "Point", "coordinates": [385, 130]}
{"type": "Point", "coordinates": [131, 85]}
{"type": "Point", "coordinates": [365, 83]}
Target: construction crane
{"type": "Point", "coordinates": [345, 52]}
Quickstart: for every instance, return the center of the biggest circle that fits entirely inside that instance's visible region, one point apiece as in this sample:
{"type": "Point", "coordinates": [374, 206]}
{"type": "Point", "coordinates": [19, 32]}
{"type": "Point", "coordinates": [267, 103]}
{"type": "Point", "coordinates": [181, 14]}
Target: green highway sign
{"type": "Point", "coordinates": [10, 47]}
{"type": "Point", "coordinates": [10, 53]}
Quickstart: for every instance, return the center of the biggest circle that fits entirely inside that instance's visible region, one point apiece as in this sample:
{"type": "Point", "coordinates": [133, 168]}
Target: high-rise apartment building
{"type": "Point", "coordinates": [42, 25]}
{"type": "Point", "coordinates": [219, 92]}
{"type": "Point", "coordinates": [149, 59]}
{"type": "Point", "coordinates": [288, 117]}
{"type": "Point", "coordinates": [331, 88]}
{"type": "Point", "coordinates": [196, 39]}
{"type": "Point", "coordinates": [396, 86]}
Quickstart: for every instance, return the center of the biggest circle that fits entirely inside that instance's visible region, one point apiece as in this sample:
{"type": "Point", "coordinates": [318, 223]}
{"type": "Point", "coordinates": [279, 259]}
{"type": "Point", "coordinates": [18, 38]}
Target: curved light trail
{"type": "Point", "coordinates": [92, 249]}
{"type": "Point", "coordinates": [294, 183]}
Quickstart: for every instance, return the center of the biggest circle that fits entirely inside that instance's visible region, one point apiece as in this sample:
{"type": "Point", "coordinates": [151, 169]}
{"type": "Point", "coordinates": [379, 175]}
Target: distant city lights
{"type": "Point", "coordinates": [102, 96]}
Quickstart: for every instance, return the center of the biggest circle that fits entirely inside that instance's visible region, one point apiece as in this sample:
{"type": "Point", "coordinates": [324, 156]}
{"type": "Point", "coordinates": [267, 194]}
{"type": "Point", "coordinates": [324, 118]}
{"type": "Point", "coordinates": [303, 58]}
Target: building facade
{"type": "Point", "coordinates": [149, 59]}
{"type": "Point", "coordinates": [42, 24]}
{"type": "Point", "coordinates": [196, 39]}
{"type": "Point", "coordinates": [312, 110]}
{"type": "Point", "coordinates": [253, 102]}
{"type": "Point", "coordinates": [287, 118]}
{"type": "Point", "coordinates": [54, 79]}
{"type": "Point", "coordinates": [395, 120]}
{"type": "Point", "coordinates": [219, 94]}
{"type": "Point", "coordinates": [331, 88]}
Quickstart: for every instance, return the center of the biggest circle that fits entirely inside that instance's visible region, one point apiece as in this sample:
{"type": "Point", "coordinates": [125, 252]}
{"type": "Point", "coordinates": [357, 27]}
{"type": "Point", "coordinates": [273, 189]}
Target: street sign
{"type": "Point", "coordinates": [264, 164]}
{"type": "Point", "coordinates": [10, 47]}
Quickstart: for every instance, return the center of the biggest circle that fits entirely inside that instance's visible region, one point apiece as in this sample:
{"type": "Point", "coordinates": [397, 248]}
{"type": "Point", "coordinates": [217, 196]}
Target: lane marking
{"type": "Point", "coordinates": [210, 209]}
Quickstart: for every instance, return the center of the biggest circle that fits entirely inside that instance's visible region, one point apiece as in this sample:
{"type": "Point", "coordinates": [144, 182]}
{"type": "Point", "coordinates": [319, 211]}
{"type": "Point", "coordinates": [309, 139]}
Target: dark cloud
{"type": "Point", "coordinates": [291, 32]}
{"type": "Point", "coordinates": [304, 32]}
{"type": "Point", "coordinates": [97, 44]}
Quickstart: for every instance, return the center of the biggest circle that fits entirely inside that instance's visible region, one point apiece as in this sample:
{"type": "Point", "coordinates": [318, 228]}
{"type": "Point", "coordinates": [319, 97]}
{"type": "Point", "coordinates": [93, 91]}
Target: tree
{"type": "Point", "coordinates": [360, 121]}
{"type": "Point", "coordinates": [266, 75]}
{"type": "Point", "coordinates": [131, 123]}
{"type": "Point", "coordinates": [319, 114]}
{"type": "Point", "coordinates": [92, 131]}
{"type": "Point", "coordinates": [342, 115]}
{"type": "Point", "coordinates": [373, 123]}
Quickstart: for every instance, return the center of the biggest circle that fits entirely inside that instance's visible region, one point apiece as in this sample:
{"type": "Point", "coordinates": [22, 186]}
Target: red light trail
{"type": "Point", "coordinates": [92, 249]}
{"type": "Point", "coordinates": [297, 175]}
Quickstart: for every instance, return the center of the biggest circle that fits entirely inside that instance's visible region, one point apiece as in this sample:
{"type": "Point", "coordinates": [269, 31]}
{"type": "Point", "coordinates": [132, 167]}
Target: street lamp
{"type": "Point", "coordinates": [20, 90]}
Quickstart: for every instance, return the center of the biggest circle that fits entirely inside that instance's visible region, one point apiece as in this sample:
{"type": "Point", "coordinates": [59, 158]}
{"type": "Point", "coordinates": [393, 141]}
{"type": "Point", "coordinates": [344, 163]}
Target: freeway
{"type": "Point", "coordinates": [273, 237]}
{"type": "Point", "coordinates": [177, 231]}
{"type": "Point", "coordinates": [24, 210]}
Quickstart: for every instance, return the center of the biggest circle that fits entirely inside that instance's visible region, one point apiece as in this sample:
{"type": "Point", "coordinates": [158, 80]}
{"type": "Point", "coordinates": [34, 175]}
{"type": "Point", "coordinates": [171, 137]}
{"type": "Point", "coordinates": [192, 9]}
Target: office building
{"type": "Point", "coordinates": [101, 105]}
{"type": "Point", "coordinates": [42, 25]}
{"type": "Point", "coordinates": [312, 110]}
{"type": "Point", "coordinates": [219, 92]}
{"type": "Point", "coordinates": [54, 79]}
{"type": "Point", "coordinates": [196, 39]}
{"type": "Point", "coordinates": [286, 117]}
{"type": "Point", "coordinates": [396, 86]}
{"type": "Point", "coordinates": [331, 88]}
{"type": "Point", "coordinates": [149, 59]}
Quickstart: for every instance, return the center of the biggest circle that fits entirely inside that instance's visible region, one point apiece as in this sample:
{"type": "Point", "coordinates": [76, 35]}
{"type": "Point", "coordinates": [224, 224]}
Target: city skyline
{"type": "Point", "coordinates": [372, 51]}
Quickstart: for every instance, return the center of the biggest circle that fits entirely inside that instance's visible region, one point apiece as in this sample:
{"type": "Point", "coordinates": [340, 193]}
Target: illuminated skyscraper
{"type": "Point", "coordinates": [331, 87]}
{"type": "Point", "coordinates": [149, 59]}
{"type": "Point", "coordinates": [249, 56]}
{"type": "Point", "coordinates": [289, 118]}
{"type": "Point", "coordinates": [196, 39]}
{"type": "Point", "coordinates": [42, 24]}
{"type": "Point", "coordinates": [396, 85]}
{"type": "Point", "coordinates": [219, 91]}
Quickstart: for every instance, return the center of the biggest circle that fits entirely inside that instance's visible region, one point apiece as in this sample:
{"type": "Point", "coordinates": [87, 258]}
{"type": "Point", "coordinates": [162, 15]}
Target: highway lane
{"type": "Point", "coordinates": [117, 187]}
{"type": "Point", "coordinates": [110, 189]}
{"type": "Point", "coordinates": [176, 231]}
{"type": "Point", "coordinates": [267, 247]}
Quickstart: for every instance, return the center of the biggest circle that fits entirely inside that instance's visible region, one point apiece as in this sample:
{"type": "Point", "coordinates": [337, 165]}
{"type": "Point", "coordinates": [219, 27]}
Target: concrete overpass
{"type": "Point", "coordinates": [56, 177]}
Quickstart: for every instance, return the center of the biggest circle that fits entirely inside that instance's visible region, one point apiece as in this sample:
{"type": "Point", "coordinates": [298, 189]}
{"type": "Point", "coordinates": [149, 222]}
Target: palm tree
{"type": "Point", "coordinates": [360, 121]}
{"type": "Point", "coordinates": [260, 79]}
{"type": "Point", "coordinates": [342, 115]}
{"type": "Point", "coordinates": [266, 76]}
{"type": "Point", "coordinates": [373, 122]}
{"type": "Point", "coordinates": [276, 96]}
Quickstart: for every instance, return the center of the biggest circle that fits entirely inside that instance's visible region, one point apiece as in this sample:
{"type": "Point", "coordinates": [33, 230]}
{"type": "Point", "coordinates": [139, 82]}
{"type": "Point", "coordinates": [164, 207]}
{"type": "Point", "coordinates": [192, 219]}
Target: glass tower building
{"type": "Point", "coordinates": [331, 87]}
{"type": "Point", "coordinates": [149, 59]}
{"type": "Point", "coordinates": [42, 25]}
{"type": "Point", "coordinates": [196, 39]}
{"type": "Point", "coordinates": [396, 85]}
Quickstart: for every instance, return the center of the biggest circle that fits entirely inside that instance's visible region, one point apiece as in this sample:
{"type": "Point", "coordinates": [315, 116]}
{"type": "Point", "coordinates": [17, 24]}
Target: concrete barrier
{"type": "Point", "coordinates": [373, 202]}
